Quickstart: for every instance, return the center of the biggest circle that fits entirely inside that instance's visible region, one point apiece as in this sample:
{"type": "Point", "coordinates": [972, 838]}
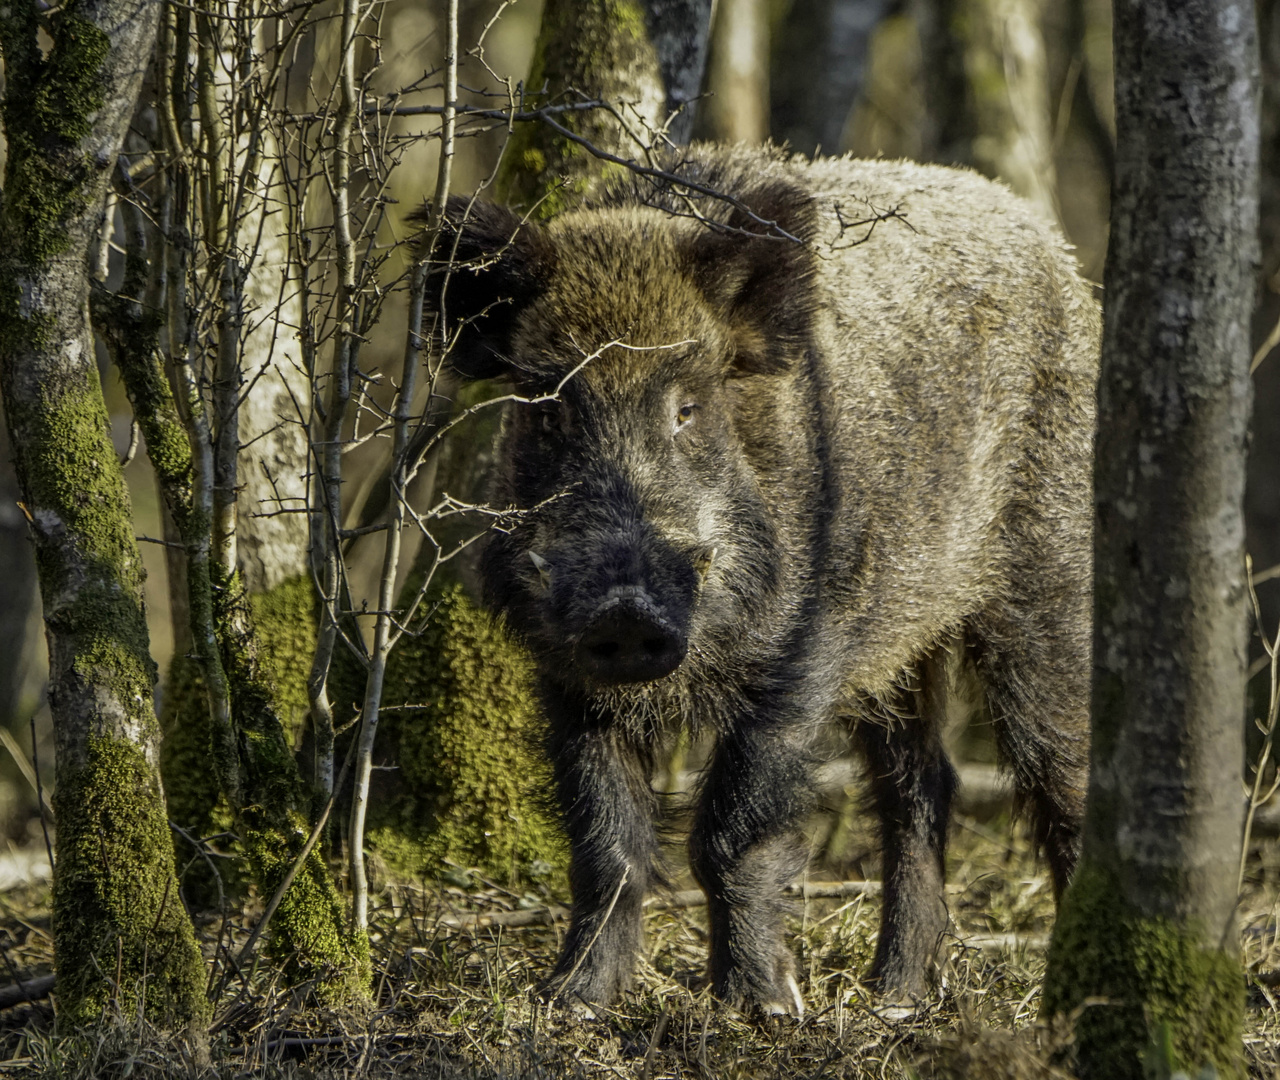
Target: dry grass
{"type": "Point", "coordinates": [454, 1004]}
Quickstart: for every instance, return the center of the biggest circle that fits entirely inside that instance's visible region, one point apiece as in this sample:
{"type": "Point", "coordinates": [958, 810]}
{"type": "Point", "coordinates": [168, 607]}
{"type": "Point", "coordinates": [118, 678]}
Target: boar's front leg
{"type": "Point", "coordinates": [744, 849]}
{"type": "Point", "coordinates": [608, 809]}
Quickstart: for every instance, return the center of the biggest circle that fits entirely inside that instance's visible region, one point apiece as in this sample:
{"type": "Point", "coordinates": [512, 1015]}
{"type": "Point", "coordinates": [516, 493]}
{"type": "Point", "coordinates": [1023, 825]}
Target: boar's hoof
{"type": "Point", "coordinates": [585, 989]}
{"type": "Point", "coordinates": [628, 641]}
{"type": "Point", "coordinates": [781, 999]}
{"type": "Point", "coordinates": [790, 1003]}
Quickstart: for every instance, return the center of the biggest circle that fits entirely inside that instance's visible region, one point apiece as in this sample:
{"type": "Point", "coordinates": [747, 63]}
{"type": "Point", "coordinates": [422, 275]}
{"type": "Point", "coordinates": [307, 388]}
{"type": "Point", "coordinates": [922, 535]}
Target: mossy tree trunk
{"type": "Point", "coordinates": [1148, 923]}
{"type": "Point", "coordinates": [235, 700]}
{"type": "Point", "coordinates": [644, 57]}
{"type": "Point", "coordinates": [120, 930]}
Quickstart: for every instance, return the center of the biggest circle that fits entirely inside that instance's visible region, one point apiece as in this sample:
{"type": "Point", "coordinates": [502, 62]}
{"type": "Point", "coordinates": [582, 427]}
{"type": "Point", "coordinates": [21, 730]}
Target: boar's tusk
{"type": "Point", "coordinates": [544, 571]}
{"type": "Point", "coordinates": [703, 559]}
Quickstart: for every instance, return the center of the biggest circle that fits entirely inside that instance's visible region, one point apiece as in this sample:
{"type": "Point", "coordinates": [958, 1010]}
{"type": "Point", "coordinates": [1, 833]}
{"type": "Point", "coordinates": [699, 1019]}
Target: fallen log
{"type": "Point", "coordinates": [30, 990]}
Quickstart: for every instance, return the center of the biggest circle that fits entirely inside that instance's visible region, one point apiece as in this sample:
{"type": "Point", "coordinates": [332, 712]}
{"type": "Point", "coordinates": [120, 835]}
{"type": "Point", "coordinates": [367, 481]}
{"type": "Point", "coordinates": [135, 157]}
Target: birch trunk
{"type": "Point", "coordinates": [115, 901]}
{"type": "Point", "coordinates": [1148, 922]}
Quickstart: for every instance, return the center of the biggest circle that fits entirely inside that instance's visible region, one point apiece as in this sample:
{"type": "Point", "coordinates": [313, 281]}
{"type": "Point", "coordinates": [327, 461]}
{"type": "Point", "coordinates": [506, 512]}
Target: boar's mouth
{"type": "Point", "coordinates": [627, 640]}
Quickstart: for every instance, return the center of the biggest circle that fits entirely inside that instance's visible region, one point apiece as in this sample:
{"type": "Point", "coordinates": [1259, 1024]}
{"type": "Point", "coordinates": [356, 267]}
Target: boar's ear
{"type": "Point", "coordinates": [488, 264]}
{"type": "Point", "coordinates": [757, 271]}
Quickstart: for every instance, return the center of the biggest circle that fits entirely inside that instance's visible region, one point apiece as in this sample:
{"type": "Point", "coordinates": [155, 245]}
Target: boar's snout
{"type": "Point", "coordinates": [627, 640]}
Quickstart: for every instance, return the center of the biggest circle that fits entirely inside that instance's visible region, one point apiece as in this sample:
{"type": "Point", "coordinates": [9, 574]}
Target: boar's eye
{"type": "Point", "coordinates": [556, 419]}
{"type": "Point", "coordinates": [684, 415]}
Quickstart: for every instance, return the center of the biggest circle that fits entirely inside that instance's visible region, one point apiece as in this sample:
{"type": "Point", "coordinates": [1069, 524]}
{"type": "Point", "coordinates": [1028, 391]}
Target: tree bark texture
{"type": "Point", "coordinates": [643, 58]}
{"type": "Point", "coordinates": [273, 529]}
{"type": "Point", "coordinates": [115, 902]}
{"type": "Point", "coordinates": [680, 30]}
{"type": "Point", "coordinates": [1148, 922]}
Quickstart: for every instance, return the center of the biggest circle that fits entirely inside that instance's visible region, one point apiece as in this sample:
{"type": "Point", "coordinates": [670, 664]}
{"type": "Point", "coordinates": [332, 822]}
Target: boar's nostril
{"type": "Point", "coordinates": [627, 641]}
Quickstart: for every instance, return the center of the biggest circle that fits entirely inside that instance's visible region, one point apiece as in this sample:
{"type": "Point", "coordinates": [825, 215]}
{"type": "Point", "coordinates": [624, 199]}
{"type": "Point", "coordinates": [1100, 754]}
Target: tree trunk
{"type": "Point", "coordinates": [119, 927]}
{"type": "Point", "coordinates": [948, 126]}
{"type": "Point", "coordinates": [737, 106]}
{"type": "Point", "coordinates": [987, 92]}
{"type": "Point", "coordinates": [1148, 922]}
{"type": "Point", "coordinates": [643, 58]}
{"type": "Point", "coordinates": [680, 30]}
{"type": "Point", "coordinates": [817, 71]}
{"type": "Point", "coordinates": [233, 705]}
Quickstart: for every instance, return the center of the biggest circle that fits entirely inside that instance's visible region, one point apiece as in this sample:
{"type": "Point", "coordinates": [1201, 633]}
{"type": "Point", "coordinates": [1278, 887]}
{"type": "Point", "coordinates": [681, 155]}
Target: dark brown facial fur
{"type": "Point", "coordinates": [775, 479]}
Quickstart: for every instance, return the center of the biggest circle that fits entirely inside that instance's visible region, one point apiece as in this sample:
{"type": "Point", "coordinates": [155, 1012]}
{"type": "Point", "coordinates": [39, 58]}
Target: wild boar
{"type": "Point", "coordinates": [777, 468]}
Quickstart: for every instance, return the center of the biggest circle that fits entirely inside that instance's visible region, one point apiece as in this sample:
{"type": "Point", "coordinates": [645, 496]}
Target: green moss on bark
{"type": "Point", "coordinates": [1166, 994]}
{"type": "Point", "coordinates": [286, 622]}
{"type": "Point", "coordinates": [600, 48]}
{"type": "Point", "coordinates": [122, 936]}
{"type": "Point", "coordinates": [308, 936]}
{"type": "Point", "coordinates": [266, 653]}
{"type": "Point", "coordinates": [49, 107]}
{"type": "Point", "coordinates": [67, 462]}
{"type": "Point", "coordinates": [473, 784]}
{"type": "Point", "coordinates": [192, 793]}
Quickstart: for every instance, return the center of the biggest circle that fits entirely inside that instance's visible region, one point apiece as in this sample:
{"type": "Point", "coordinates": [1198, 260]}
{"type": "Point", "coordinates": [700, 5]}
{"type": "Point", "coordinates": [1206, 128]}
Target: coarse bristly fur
{"type": "Point", "coordinates": [816, 462]}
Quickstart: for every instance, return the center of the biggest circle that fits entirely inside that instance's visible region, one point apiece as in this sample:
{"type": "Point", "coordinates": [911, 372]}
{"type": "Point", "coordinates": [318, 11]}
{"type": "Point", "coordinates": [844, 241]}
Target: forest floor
{"type": "Point", "coordinates": [453, 1003]}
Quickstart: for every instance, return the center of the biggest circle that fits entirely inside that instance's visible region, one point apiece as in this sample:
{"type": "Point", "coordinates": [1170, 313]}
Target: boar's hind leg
{"type": "Point", "coordinates": [744, 849]}
{"type": "Point", "coordinates": [608, 805]}
{"type": "Point", "coordinates": [1034, 661]}
{"type": "Point", "coordinates": [912, 783]}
